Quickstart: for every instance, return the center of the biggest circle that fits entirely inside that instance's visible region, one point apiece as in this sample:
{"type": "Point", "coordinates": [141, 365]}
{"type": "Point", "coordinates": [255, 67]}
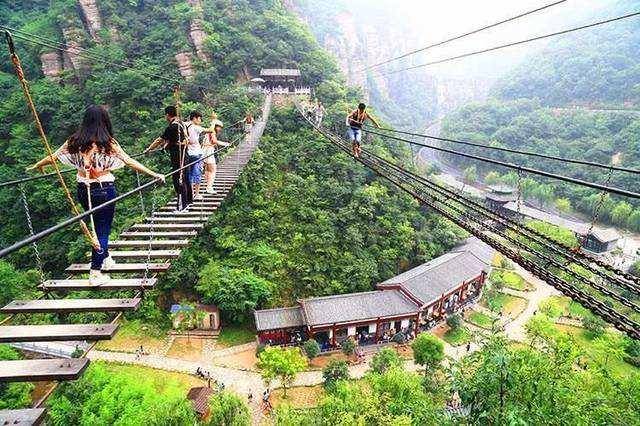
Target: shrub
{"type": "Point", "coordinates": [454, 321]}
{"type": "Point", "coordinates": [229, 410]}
{"type": "Point", "coordinates": [384, 360]}
{"type": "Point", "coordinates": [348, 346]}
{"type": "Point", "coordinates": [594, 325]}
{"type": "Point", "coordinates": [311, 348]}
{"type": "Point", "coordinates": [334, 371]}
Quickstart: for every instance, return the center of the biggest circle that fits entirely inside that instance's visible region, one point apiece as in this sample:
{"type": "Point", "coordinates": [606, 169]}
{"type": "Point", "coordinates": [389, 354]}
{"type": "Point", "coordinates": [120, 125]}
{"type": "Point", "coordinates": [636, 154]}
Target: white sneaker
{"type": "Point", "coordinates": [108, 263]}
{"type": "Point", "coordinates": [97, 277]}
{"type": "Point", "coordinates": [210, 190]}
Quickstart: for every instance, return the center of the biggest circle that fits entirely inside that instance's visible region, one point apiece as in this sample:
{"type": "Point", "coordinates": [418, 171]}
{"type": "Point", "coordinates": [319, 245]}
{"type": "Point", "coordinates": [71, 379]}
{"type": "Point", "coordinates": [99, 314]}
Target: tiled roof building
{"type": "Point", "coordinates": [402, 303]}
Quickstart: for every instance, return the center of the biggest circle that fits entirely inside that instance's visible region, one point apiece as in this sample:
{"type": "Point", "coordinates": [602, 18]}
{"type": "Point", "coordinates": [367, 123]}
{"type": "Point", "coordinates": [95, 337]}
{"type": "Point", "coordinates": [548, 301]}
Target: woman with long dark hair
{"type": "Point", "coordinates": [94, 152]}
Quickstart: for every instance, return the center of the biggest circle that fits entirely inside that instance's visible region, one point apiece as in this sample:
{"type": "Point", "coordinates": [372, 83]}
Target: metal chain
{"type": "Point", "coordinates": [27, 213]}
{"type": "Point", "coordinates": [151, 229]}
{"type": "Point", "coordinates": [596, 212]}
{"type": "Point", "coordinates": [140, 194]}
{"type": "Point", "coordinates": [519, 192]}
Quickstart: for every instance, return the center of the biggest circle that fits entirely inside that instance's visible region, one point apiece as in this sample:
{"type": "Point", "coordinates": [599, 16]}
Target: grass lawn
{"type": "Point", "coordinates": [233, 335]}
{"type": "Point", "coordinates": [133, 334]}
{"type": "Point", "coordinates": [505, 303]}
{"type": "Point", "coordinates": [480, 319]}
{"type": "Point", "coordinates": [161, 378]}
{"type": "Point", "coordinates": [298, 397]}
{"type": "Point", "coordinates": [511, 279]}
{"type": "Point", "coordinates": [457, 337]}
{"type": "Point", "coordinates": [588, 345]}
{"type": "Point", "coordinates": [561, 306]}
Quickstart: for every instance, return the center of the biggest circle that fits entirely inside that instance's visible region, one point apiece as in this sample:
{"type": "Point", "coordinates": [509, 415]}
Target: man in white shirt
{"type": "Point", "coordinates": [194, 151]}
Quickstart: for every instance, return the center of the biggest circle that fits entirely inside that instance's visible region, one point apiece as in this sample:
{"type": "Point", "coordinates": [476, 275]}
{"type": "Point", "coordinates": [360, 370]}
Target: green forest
{"type": "Point", "coordinates": [303, 220]}
{"type": "Point", "coordinates": [576, 98]}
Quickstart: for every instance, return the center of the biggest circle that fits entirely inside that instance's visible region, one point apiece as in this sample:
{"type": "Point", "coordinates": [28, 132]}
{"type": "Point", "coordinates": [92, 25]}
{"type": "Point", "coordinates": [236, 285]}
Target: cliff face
{"type": "Point", "coordinates": [51, 65]}
{"type": "Point", "coordinates": [91, 17]}
{"type": "Point", "coordinates": [409, 99]}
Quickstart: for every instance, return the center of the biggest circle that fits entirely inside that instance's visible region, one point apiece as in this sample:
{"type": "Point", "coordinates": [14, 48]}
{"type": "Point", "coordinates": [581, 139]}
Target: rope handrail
{"type": "Point", "coordinates": [44, 233]}
{"type": "Point", "coordinates": [65, 171]}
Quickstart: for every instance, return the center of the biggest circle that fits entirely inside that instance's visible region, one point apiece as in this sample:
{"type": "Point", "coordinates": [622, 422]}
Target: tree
{"type": "Point", "coordinates": [492, 178]}
{"type": "Point", "coordinates": [334, 371]}
{"type": "Point", "coordinates": [470, 175]}
{"type": "Point", "coordinates": [385, 359]}
{"type": "Point", "coordinates": [594, 325]}
{"type": "Point", "coordinates": [348, 346]}
{"type": "Point", "coordinates": [563, 205]}
{"type": "Point", "coordinates": [235, 291]}
{"type": "Point", "coordinates": [428, 351]}
{"type": "Point", "coordinates": [454, 321]}
{"type": "Point", "coordinates": [311, 348]}
{"type": "Point", "coordinates": [635, 268]}
{"type": "Point", "coordinates": [228, 409]}
{"type": "Point", "coordinates": [621, 213]}
{"type": "Point", "coordinates": [281, 363]}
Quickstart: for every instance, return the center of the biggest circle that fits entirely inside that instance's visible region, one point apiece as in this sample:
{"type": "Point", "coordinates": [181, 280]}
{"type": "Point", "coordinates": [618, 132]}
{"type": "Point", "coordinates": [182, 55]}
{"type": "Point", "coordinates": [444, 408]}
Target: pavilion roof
{"type": "Point", "coordinates": [429, 281]}
{"type": "Point", "coordinates": [279, 72]}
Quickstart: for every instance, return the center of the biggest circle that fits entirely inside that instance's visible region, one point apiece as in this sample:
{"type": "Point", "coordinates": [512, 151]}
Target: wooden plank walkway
{"type": "Point", "coordinates": [165, 231]}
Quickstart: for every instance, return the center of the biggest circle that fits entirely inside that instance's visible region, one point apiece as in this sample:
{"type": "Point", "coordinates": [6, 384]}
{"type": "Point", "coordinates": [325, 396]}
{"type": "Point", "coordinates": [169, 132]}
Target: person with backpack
{"type": "Point", "coordinates": [174, 140]}
{"type": "Point", "coordinates": [355, 120]}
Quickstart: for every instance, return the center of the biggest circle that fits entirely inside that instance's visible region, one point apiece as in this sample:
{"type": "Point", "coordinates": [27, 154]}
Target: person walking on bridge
{"type": "Point", "coordinates": [209, 146]}
{"type": "Point", "coordinates": [355, 120]}
{"type": "Point", "coordinates": [195, 151]}
{"type": "Point", "coordinates": [174, 139]}
{"type": "Point", "coordinates": [94, 152]}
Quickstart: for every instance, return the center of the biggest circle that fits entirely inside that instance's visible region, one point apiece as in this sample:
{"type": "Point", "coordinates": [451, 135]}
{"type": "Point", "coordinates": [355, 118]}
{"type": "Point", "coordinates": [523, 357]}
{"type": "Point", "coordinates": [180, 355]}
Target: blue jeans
{"type": "Point", "coordinates": [195, 171]}
{"type": "Point", "coordinates": [102, 219]}
{"type": "Point", "coordinates": [355, 135]}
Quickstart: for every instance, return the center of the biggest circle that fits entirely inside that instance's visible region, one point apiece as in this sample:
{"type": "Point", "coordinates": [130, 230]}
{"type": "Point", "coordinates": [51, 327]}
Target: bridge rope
{"type": "Point", "coordinates": [515, 43]}
{"type": "Point", "coordinates": [610, 189]}
{"type": "Point", "coordinates": [477, 227]}
{"type": "Point", "coordinates": [515, 151]}
{"type": "Point", "coordinates": [460, 36]}
{"type": "Point", "coordinates": [17, 65]}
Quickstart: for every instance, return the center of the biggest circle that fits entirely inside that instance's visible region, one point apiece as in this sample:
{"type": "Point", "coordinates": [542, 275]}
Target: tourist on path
{"type": "Point", "coordinates": [174, 140]}
{"type": "Point", "coordinates": [94, 153]}
{"type": "Point", "coordinates": [355, 120]}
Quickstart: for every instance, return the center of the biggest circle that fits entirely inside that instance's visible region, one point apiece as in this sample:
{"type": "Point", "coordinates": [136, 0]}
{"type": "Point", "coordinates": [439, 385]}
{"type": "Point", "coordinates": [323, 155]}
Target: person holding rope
{"type": "Point", "coordinates": [94, 152]}
{"type": "Point", "coordinates": [209, 147]}
{"type": "Point", "coordinates": [195, 151]}
{"type": "Point", "coordinates": [355, 120]}
{"type": "Point", "coordinates": [174, 139]}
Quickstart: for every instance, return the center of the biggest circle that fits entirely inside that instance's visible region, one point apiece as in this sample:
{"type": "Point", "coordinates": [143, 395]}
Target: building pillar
{"type": "Point", "coordinates": [333, 335]}
{"type": "Point", "coordinates": [417, 325]}
{"type": "Point", "coordinates": [377, 329]}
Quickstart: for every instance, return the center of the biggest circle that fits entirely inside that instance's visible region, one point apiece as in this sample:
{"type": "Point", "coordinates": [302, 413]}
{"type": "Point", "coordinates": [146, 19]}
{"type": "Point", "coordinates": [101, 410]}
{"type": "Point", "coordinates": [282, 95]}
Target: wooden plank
{"type": "Point", "coordinates": [189, 209]}
{"type": "Point", "coordinates": [146, 243]}
{"type": "Point", "coordinates": [143, 254]}
{"type": "Point", "coordinates": [176, 219]}
{"type": "Point", "coordinates": [167, 226]}
{"type": "Point", "coordinates": [121, 267]}
{"type": "Point", "coordinates": [35, 370]}
{"type": "Point", "coordinates": [70, 305]}
{"type": "Point", "coordinates": [159, 234]}
{"type": "Point", "coordinates": [112, 284]}
{"type": "Point", "coordinates": [56, 333]}
{"type": "Point", "coordinates": [172, 214]}
{"type": "Point", "coordinates": [24, 417]}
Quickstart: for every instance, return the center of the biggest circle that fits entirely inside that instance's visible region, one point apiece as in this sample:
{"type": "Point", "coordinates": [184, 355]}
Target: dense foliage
{"type": "Point", "coordinates": [107, 397]}
{"type": "Point", "coordinates": [228, 409]}
{"type": "Point", "coordinates": [13, 395]}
